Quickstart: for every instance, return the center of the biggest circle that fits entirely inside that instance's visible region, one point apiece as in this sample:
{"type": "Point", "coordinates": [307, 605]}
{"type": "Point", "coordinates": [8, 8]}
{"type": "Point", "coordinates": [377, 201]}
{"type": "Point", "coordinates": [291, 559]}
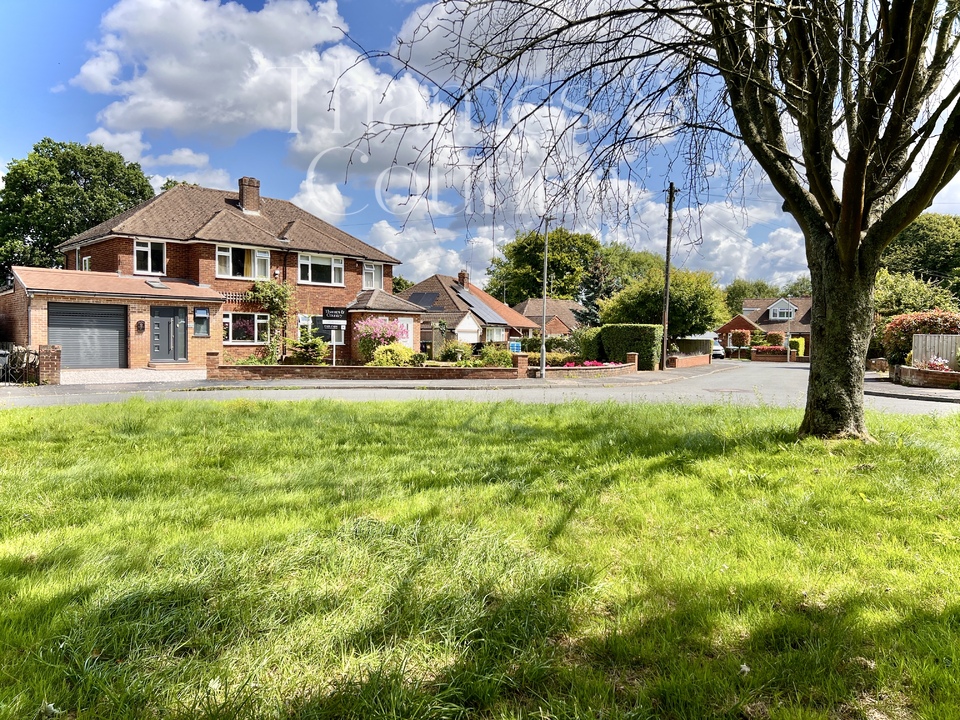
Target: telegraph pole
{"type": "Point", "coordinates": [671, 193]}
{"type": "Point", "coordinates": [543, 322]}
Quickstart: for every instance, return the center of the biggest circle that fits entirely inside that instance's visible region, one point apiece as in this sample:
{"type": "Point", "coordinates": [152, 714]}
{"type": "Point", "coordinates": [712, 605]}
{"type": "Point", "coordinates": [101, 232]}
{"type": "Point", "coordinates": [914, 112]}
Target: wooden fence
{"type": "Point", "coordinates": [942, 346]}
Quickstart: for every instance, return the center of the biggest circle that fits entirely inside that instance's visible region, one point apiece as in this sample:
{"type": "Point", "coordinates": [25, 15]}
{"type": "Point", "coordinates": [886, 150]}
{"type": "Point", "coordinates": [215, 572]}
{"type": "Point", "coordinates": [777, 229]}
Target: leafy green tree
{"type": "Point", "coordinates": [737, 291]}
{"type": "Point", "coordinates": [929, 249]}
{"type": "Point", "coordinates": [623, 264]}
{"type": "Point", "coordinates": [60, 190]}
{"type": "Point", "coordinates": [900, 293]}
{"type": "Point", "coordinates": [400, 284]}
{"type": "Point", "coordinates": [696, 302]}
{"type": "Point", "coordinates": [799, 287]}
{"type": "Point", "coordinates": [518, 275]}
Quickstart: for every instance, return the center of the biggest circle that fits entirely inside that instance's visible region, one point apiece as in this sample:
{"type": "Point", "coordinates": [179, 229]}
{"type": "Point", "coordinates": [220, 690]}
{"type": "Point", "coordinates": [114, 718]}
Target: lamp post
{"type": "Point", "coordinates": [543, 319]}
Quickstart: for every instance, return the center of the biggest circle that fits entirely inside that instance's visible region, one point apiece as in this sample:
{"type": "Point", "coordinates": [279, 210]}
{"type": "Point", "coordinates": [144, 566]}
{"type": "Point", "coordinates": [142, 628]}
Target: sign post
{"type": "Point", "coordinates": [335, 318]}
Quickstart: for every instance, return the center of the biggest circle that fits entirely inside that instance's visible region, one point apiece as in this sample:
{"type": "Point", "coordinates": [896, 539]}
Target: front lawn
{"type": "Point", "coordinates": [447, 560]}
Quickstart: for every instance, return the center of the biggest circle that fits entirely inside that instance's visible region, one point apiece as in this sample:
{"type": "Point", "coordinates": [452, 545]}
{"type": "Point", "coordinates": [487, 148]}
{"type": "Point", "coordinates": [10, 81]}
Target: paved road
{"type": "Point", "coordinates": [725, 382]}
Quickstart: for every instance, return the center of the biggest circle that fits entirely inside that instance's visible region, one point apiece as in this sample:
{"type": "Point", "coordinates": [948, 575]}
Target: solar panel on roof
{"type": "Point", "coordinates": [480, 309]}
{"type": "Point", "coordinates": [424, 299]}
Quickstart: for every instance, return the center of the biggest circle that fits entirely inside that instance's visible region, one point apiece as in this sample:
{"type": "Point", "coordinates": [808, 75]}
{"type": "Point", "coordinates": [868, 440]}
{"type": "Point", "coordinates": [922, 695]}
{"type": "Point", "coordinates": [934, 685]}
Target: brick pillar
{"type": "Point", "coordinates": [49, 372]}
{"type": "Point", "coordinates": [520, 362]}
{"type": "Point", "coordinates": [213, 365]}
{"type": "Point", "coordinates": [633, 359]}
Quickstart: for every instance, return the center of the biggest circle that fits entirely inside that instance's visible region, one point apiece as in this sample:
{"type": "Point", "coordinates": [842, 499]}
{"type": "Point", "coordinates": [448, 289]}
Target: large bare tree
{"type": "Point", "coordinates": [850, 109]}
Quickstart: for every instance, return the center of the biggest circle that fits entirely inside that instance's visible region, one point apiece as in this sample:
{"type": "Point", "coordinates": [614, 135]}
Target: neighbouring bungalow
{"type": "Point", "coordinates": [466, 310]}
{"type": "Point", "coordinates": [164, 283]}
{"type": "Point", "coordinates": [791, 316]}
{"type": "Point", "coordinates": [560, 314]}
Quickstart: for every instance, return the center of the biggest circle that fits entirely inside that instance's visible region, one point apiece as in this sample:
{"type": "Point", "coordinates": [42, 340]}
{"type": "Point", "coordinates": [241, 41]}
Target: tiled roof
{"type": "Point", "coordinates": [560, 309]}
{"type": "Point", "coordinates": [799, 324]}
{"type": "Point", "coordinates": [738, 322]}
{"type": "Point", "coordinates": [99, 284]}
{"type": "Point", "coordinates": [188, 212]}
{"type": "Point", "coordinates": [451, 302]}
{"type": "Point", "coordinates": [380, 301]}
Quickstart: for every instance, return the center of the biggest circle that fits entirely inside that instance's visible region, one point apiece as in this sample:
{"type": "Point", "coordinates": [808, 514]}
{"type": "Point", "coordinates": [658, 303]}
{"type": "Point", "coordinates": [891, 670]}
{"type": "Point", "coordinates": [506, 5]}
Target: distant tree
{"type": "Point", "coordinates": [598, 284]}
{"type": "Point", "coordinates": [518, 275]}
{"type": "Point", "coordinates": [900, 293]}
{"type": "Point", "coordinates": [172, 183]}
{"type": "Point", "coordinates": [624, 264]}
{"type": "Point", "coordinates": [400, 284]}
{"type": "Point", "coordinates": [60, 190]}
{"type": "Point", "coordinates": [800, 287]}
{"type": "Point", "coordinates": [929, 249]}
{"type": "Point", "coordinates": [696, 302]}
{"type": "Point", "coordinates": [737, 291]}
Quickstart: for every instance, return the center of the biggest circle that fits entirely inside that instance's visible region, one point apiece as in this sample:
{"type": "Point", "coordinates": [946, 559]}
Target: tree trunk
{"type": "Point", "coordinates": [842, 322]}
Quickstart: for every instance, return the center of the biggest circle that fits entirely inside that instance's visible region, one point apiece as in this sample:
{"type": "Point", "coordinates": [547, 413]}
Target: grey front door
{"type": "Point", "coordinates": [168, 334]}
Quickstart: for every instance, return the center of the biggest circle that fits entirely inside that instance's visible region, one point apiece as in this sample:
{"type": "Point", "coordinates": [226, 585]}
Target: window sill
{"type": "Point", "coordinates": [317, 284]}
{"type": "Point", "coordinates": [248, 343]}
{"type": "Point", "coordinates": [144, 272]}
{"type": "Point", "coordinates": [243, 279]}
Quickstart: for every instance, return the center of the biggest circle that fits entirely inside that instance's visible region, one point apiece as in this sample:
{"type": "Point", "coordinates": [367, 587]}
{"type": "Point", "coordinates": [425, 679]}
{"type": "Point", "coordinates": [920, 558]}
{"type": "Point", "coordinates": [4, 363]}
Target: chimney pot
{"type": "Point", "coordinates": [463, 277]}
{"type": "Point", "coordinates": [249, 195]}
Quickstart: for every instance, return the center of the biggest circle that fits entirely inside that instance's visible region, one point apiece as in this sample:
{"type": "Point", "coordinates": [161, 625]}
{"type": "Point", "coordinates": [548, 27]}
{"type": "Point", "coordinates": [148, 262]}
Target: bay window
{"type": "Point", "coordinates": [372, 276]}
{"type": "Point", "coordinates": [321, 270]}
{"type": "Point", "coordinates": [149, 257]}
{"type": "Point", "coordinates": [246, 328]}
{"type": "Point", "coordinates": [243, 263]}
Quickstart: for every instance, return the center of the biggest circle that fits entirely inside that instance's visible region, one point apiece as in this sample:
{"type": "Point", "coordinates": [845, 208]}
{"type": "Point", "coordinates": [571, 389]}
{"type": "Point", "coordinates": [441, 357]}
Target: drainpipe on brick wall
{"type": "Point", "coordinates": [29, 321]}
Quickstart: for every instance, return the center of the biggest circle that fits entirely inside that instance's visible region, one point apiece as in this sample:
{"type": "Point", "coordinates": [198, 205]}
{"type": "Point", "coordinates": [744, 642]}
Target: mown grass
{"type": "Point", "coordinates": [441, 560]}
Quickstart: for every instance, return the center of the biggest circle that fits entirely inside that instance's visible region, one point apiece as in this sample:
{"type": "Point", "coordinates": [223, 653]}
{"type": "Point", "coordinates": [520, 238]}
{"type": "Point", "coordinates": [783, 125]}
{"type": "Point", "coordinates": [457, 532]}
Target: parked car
{"type": "Point", "coordinates": [718, 350]}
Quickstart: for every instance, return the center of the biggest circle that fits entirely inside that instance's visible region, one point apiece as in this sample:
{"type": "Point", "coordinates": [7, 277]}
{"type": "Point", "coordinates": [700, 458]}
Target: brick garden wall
{"type": "Point", "coordinates": [216, 371]}
{"type": "Point", "coordinates": [915, 377]}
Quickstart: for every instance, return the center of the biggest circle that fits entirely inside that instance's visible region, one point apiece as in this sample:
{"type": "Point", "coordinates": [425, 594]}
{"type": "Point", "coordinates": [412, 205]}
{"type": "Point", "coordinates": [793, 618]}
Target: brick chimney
{"type": "Point", "coordinates": [463, 277]}
{"type": "Point", "coordinates": [250, 195]}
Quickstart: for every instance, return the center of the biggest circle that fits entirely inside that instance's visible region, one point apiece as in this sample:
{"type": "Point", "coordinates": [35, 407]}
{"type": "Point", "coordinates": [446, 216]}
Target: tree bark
{"type": "Point", "coordinates": [841, 325]}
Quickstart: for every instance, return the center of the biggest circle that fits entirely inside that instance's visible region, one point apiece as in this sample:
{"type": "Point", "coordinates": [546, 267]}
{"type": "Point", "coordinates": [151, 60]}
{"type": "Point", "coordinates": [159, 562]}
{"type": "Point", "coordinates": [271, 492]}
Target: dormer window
{"type": "Point", "coordinates": [781, 313]}
{"type": "Point", "coordinates": [149, 258]}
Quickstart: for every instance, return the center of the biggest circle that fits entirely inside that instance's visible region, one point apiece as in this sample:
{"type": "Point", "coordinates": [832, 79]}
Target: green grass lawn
{"type": "Point", "coordinates": [445, 560]}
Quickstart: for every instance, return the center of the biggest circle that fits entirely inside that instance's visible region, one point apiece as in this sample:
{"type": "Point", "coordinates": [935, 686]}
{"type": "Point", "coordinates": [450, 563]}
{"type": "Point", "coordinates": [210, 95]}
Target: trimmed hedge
{"type": "Point", "coordinates": [797, 344]}
{"type": "Point", "coordinates": [591, 348]}
{"type": "Point", "coordinates": [645, 340]}
{"type": "Point", "coordinates": [775, 337]}
{"type": "Point", "coordinates": [898, 335]}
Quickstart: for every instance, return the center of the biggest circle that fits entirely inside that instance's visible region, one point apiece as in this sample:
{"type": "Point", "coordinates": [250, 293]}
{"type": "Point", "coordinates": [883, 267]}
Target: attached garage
{"type": "Point", "coordinates": [91, 336]}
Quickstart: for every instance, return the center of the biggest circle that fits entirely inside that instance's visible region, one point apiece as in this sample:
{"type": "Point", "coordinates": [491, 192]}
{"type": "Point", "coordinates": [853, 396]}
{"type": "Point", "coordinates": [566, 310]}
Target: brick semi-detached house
{"type": "Point", "coordinates": [165, 282]}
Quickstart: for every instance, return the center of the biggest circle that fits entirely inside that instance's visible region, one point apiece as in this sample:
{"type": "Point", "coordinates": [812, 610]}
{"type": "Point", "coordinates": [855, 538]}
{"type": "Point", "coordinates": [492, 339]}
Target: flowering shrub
{"type": "Point", "coordinates": [769, 349]}
{"type": "Point", "coordinates": [937, 363]}
{"type": "Point", "coordinates": [898, 335]}
{"type": "Point", "coordinates": [586, 363]}
{"type": "Point", "coordinates": [373, 332]}
{"type": "Point", "coordinates": [392, 355]}
{"type": "Point", "coordinates": [740, 338]}
{"type": "Point", "coordinates": [775, 337]}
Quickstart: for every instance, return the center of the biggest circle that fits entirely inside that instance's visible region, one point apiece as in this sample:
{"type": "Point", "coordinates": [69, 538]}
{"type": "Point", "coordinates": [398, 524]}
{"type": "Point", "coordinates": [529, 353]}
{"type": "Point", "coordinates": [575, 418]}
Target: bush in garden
{"type": "Point", "coordinates": [392, 355]}
{"type": "Point", "coordinates": [740, 338]}
{"type": "Point", "coordinates": [418, 359]}
{"type": "Point", "coordinates": [454, 350]}
{"type": "Point", "coordinates": [769, 350]}
{"type": "Point", "coordinates": [310, 349]}
{"type": "Point", "coordinates": [560, 343]}
{"type": "Point", "coordinates": [797, 344]}
{"type": "Point", "coordinates": [758, 337]}
{"type": "Point", "coordinates": [775, 337]}
{"type": "Point", "coordinates": [494, 356]}
{"type": "Point", "coordinates": [587, 343]}
{"type": "Point", "coordinates": [899, 332]}
{"type": "Point", "coordinates": [530, 344]}
{"type": "Point", "coordinates": [645, 340]}
{"type": "Point", "coordinates": [373, 332]}
{"type": "Point", "coordinates": [559, 359]}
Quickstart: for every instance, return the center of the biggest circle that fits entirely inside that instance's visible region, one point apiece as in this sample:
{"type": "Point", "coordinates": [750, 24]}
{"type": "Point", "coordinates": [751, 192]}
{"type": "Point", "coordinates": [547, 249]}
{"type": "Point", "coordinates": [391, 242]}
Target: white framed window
{"type": "Point", "coordinates": [246, 328]}
{"type": "Point", "coordinates": [496, 334]}
{"type": "Point", "coordinates": [781, 314]}
{"type": "Point", "coordinates": [321, 270]}
{"type": "Point", "coordinates": [149, 258]}
{"type": "Point", "coordinates": [372, 276]}
{"type": "Point", "coordinates": [315, 323]}
{"type": "Point", "coordinates": [85, 263]}
{"type": "Point", "coordinates": [243, 263]}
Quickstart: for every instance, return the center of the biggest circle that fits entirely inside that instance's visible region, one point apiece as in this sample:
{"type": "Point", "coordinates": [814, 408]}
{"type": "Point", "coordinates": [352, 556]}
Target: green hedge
{"type": "Point", "coordinates": [645, 340]}
{"type": "Point", "coordinates": [797, 344]}
{"type": "Point", "coordinates": [591, 348]}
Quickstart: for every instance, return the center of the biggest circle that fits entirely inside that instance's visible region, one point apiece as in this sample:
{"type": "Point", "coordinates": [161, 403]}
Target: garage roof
{"type": "Point", "coordinates": [99, 284]}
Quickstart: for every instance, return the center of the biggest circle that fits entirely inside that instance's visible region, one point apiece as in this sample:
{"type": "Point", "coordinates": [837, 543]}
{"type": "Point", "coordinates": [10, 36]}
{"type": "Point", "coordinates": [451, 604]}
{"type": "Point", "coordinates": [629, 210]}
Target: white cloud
{"type": "Point", "coordinates": [208, 177]}
{"type": "Point", "coordinates": [184, 157]}
{"type": "Point", "coordinates": [325, 200]}
{"type": "Point", "coordinates": [129, 144]}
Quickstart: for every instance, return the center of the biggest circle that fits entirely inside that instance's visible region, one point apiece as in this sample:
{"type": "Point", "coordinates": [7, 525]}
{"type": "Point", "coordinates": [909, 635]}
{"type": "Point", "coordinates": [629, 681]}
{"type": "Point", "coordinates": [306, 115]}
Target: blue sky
{"type": "Point", "coordinates": [201, 90]}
